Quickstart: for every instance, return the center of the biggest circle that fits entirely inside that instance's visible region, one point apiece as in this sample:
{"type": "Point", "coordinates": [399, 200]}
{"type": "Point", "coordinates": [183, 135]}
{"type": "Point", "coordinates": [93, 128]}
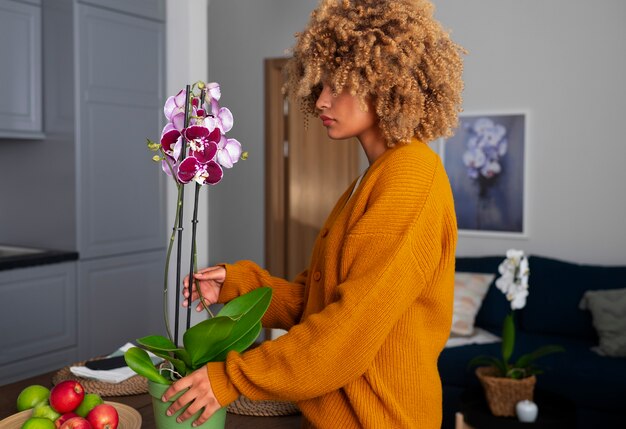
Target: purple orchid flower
{"type": "Point", "coordinates": [214, 91]}
{"type": "Point", "coordinates": [214, 173]}
{"type": "Point", "coordinates": [202, 142]}
{"type": "Point", "coordinates": [188, 169]}
{"type": "Point", "coordinates": [191, 169]}
{"type": "Point", "coordinates": [228, 152]}
{"type": "Point", "coordinates": [174, 110]}
{"type": "Point", "coordinates": [171, 143]}
{"type": "Point", "coordinates": [222, 117]}
{"type": "Point", "coordinates": [174, 105]}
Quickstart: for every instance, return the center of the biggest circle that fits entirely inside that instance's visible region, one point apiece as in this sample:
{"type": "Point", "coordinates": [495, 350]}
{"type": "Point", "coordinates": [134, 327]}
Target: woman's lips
{"type": "Point", "coordinates": [326, 120]}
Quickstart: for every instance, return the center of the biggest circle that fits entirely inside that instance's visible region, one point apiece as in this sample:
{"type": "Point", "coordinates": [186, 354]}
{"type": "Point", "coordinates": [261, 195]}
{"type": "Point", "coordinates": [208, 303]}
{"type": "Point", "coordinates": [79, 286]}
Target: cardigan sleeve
{"type": "Point", "coordinates": [389, 257]}
{"type": "Point", "coordinates": [285, 308]}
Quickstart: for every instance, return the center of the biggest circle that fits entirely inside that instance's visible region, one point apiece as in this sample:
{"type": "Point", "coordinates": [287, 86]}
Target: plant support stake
{"type": "Point", "coordinates": [183, 154]}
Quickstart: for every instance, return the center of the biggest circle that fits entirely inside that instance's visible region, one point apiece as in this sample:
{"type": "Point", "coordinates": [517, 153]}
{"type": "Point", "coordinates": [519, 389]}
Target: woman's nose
{"type": "Point", "coordinates": [324, 100]}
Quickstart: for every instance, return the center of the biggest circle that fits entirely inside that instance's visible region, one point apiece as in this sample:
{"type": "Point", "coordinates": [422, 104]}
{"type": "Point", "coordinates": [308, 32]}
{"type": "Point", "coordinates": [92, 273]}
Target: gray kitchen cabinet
{"type": "Point", "coordinates": [121, 63]}
{"type": "Point", "coordinates": [154, 9]}
{"type": "Point", "coordinates": [38, 313]}
{"type": "Point", "coordinates": [89, 185]}
{"type": "Point", "coordinates": [21, 71]}
{"type": "Point", "coordinates": [120, 300]}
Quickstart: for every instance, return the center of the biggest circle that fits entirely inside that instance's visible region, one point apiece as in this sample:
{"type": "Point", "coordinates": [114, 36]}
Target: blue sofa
{"type": "Point", "coordinates": [595, 384]}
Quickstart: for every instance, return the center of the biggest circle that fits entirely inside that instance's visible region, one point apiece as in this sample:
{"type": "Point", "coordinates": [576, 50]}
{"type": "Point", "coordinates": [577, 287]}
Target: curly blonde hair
{"type": "Point", "coordinates": [391, 51]}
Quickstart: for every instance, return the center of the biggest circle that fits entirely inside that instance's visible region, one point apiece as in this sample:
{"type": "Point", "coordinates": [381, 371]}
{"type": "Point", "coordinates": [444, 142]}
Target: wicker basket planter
{"type": "Point", "coordinates": [503, 393]}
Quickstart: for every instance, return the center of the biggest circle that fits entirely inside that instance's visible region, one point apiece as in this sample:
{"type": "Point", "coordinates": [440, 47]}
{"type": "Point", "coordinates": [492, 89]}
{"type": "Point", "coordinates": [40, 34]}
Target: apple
{"type": "Point", "coordinates": [76, 423]}
{"type": "Point", "coordinates": [65, 417]}
{"type": "Point", "coordinates": [89, 402]}
{"type": "Point", "coordinates": [46, 411]}
{"type": "Point", "coordinates": [103, 416]}
{"type": "Point", "coordinates": [66, 396]}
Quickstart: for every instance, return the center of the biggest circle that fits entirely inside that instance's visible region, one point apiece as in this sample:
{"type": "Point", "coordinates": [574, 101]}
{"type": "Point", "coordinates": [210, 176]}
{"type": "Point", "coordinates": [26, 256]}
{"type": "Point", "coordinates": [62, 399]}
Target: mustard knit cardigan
{"type": "Point", "coordinates": [370, 316]}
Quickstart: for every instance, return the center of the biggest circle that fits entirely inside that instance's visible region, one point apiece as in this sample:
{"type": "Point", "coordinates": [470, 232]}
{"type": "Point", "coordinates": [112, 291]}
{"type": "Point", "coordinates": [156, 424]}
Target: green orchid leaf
{"type": "Point", "coordinates": [517, 373]}
{"type": "Point", "coordinates": [241, 344]}
{"type": "Point", "coordinates": [184, 356]}
{"type": "Point", "coordinates": [247, 310]}
{"type": "Point", "coordinates": [139, 361]}
{"type": "Point", "coordinates": [180, 366]}
{"type": "Point", "coordinates": [253, 303]}
{"type": "Point", "coordinates": [200, 340]}
{"type": "Point", "coordinates": [489, 361]}
{"type": "Point", "coordinates": [156, 343]}
{"type": "Point", "coordinates": [527, 359]}
{"type": "Point", "coordinates": [508, 338]}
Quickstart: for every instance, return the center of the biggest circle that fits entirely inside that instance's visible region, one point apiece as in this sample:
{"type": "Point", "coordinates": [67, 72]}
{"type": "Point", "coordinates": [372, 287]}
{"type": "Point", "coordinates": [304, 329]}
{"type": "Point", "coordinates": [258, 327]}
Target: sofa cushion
{"type": "Point", "coordinates": [469, 292]}
{"type": "Point", "coordinates": [608, 312]}
{"type": "Point", "coordinates": [495, 307]}
{"type": "Point", "coordinates": [555, 291]}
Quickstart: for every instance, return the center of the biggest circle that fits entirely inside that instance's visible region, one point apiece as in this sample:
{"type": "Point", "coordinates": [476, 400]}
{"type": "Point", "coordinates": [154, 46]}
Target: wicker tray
{"type": "Point", "coordinates": [135, 385]}
{"type": "Point", "coordinates": [248, 407]}
{"type": "Point", "coordinates": [138, 385]}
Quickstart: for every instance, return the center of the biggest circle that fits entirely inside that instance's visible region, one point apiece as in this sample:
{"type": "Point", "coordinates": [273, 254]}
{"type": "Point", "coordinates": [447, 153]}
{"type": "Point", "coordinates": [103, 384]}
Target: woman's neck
{"type": "Point", "coordinates": [373, 144]}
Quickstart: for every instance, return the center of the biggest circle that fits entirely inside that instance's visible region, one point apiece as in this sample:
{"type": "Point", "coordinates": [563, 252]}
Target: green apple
{"type": "Point", "coordinates": [88, 404]}
{"type": "Point", "coordinates": [46, 411]}
{"type": "Point", "coordinates": [31, 396]}
{"type": "Point", "coordinates": [38, 423]}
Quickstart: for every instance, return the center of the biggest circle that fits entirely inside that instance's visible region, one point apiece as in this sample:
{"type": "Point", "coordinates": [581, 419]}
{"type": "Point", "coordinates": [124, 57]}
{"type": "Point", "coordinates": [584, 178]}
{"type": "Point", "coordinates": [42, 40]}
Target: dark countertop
{"type": "Point", "coordinates": [21, 257]}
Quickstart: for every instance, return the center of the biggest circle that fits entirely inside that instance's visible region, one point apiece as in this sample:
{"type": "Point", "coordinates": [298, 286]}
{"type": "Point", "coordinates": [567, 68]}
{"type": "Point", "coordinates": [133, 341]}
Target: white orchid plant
{"type": "Point", "coordinates": [513, 282]}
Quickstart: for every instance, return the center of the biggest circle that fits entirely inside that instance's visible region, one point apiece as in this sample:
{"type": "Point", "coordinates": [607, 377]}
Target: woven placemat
{"type": "Point", "coordinates": [135, 385]}
{"type": "Point", "coordinates": [248, 407]}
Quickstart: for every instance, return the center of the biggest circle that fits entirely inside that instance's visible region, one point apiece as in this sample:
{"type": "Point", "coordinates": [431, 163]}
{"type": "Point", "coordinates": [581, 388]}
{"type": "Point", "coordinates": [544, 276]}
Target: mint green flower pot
{"type": "Point", "coordinates": [217, 420]}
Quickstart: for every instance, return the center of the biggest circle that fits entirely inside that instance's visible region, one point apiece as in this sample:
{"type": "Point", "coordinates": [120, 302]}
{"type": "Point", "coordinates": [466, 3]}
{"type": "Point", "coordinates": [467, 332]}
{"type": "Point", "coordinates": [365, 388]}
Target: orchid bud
{"type": "Point", "coordinates": [244, 156]}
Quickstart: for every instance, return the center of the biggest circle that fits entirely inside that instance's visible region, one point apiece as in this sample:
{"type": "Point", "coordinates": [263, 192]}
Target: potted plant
{"type": "Point", "coordinates": [235, 327]}
{"type": "Point", "coordinates": [194, 148]}
{"type": "Point", "coordinates": [507, 382]}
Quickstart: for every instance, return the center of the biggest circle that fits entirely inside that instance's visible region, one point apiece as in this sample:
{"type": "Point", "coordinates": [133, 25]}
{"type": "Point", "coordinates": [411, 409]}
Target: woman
{"type": "Point", "coordinates": [367, 321]}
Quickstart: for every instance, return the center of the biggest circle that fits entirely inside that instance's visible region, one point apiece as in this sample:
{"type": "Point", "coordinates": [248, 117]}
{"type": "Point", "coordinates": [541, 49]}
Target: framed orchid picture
{"type": "Point", "coordinates": [486, 163]}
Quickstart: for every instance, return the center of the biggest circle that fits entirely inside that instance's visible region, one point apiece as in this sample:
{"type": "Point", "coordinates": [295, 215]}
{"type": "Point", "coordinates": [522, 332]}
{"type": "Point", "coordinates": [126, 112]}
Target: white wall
{"type": "Point", "coordinates": [564, 62]}
{"type": "Point", "coordinates": [560, 61]}
{"type": "Point", "coordinates": [187, 62]}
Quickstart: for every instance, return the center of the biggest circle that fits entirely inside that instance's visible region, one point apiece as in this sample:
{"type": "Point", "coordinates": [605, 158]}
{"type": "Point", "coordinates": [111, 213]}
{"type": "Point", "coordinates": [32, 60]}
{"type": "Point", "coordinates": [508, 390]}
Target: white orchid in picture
{"type": "Point", "coordinates": [513, 281]}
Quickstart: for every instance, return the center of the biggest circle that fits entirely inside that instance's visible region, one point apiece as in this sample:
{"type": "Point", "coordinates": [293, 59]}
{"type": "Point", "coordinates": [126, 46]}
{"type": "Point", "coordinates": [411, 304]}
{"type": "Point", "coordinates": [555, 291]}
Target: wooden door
{"type": "Point", "coordinates": [306, 172]}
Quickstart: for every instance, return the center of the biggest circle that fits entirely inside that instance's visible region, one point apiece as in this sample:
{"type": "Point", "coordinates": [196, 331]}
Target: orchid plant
{"type": "Point", "coordinates": [194, 148]}
{"type": "Point", "coordinates": [513, 283]}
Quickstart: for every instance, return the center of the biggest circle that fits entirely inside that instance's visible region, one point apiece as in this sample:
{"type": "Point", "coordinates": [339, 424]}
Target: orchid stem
{"type": "Point", "coordinates": [183, 154]}
{"type": "Point", "coordinates": [167, 266]}
{"type": "Point", "coordinates": [194, 223]}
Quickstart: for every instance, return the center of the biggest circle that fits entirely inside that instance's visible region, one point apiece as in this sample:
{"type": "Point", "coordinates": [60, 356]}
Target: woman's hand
{"type": "Point", "coordinates": [210, 281]}
{"type": "Point", "coordinates": [200, 395]}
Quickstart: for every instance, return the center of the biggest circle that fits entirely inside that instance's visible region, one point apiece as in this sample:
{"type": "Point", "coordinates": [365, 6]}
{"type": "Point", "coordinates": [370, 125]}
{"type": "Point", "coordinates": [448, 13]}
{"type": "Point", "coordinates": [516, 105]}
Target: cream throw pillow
{"type": "Point", "coordinates": [608, 312]}
{"type": "Point", "coordinates": [469, 291]}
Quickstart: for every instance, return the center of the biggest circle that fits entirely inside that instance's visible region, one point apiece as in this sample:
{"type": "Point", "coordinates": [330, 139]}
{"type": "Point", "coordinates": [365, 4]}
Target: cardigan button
{"type": "Point", "coordinates": [324, 232]}
{"type": "Point", "coordinates": [317, 276]}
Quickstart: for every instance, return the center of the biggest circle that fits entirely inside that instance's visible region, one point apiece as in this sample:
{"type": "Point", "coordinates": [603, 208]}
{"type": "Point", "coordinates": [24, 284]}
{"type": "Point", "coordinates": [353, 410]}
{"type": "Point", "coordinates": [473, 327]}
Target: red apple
{"type": "Point", "coordinates": [103, 416]}
{"type": "Point", "coordinates": [65, 417]}
{"type": "Point", "coordinates": [76, 423]}
{"type": "Point", "coordinates": [66, 396]}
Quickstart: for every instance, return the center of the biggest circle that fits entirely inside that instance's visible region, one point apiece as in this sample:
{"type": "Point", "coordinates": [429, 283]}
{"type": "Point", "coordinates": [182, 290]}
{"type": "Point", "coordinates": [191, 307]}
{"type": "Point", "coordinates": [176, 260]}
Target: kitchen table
{"type": "Point", "coordinates": [143, 404]}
